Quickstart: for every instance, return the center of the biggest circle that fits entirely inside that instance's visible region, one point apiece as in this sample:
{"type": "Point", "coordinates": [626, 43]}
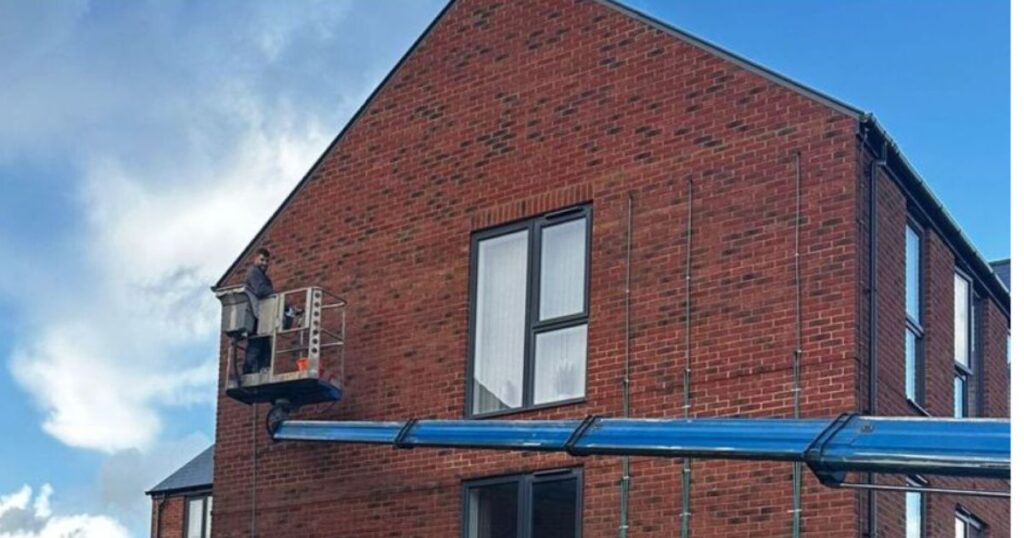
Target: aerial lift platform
{"type": "Point", "coordinates": [306, 330]}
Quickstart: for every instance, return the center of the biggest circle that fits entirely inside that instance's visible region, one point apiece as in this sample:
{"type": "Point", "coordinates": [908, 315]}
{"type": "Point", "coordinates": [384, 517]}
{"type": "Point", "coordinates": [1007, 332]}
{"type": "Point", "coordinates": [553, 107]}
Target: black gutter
{"type": "Point", "coordinates": [933, 212]}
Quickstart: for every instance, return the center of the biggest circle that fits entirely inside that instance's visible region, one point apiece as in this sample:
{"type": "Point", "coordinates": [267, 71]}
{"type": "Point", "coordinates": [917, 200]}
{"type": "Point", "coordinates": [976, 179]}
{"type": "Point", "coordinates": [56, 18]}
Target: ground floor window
{"type": "Point", "coordinates": [546, 504]}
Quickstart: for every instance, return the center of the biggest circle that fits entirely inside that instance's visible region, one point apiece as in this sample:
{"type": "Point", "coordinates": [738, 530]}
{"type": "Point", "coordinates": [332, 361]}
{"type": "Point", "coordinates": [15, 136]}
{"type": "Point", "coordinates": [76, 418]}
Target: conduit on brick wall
{"type": "Point", "coordinates": [687, 472]}
{"type": "Point", "coordinates": [876, 164]}
{"type": "Point", "coordinates": [252, 508]}
{"type": "Point", "coordinates": [624, 484]}
{"type": "Point", "coordinates": [798, 350]}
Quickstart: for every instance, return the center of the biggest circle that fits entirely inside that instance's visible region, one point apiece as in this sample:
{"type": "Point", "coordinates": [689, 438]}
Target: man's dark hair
{"type": "Point", "coordinates": [263, 252]}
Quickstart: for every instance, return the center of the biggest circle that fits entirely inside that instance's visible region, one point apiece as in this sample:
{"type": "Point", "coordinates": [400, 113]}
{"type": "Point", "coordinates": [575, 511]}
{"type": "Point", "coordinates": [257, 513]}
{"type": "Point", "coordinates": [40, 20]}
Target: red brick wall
{"type": "Point", "coordinates": [938, 262]}
{"type": "Point", "coordinates": [509, 109]}
{"type": "Point", "coordinates": [168, 521]}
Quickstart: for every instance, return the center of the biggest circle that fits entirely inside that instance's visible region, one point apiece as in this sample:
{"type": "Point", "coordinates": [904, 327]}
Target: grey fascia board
{"type": "Point", "coordinates": [182, 491]}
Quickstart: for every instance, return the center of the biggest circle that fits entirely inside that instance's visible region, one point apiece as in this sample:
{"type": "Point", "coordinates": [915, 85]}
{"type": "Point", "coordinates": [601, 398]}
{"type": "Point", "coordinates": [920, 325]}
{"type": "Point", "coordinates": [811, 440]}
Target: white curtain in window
{"type": "Point", "coordinates": [500, 322]}
{"type": "Point", "coordinates": [961, 320]}
{"type": "Point", "coordinates": [560, 367]}
{"type": "Point", "coordinates": [195, 518]}
{"type": "Point", "coordinates": [563, 264]}
{"type": "Point", "coordinates": [209, 515]}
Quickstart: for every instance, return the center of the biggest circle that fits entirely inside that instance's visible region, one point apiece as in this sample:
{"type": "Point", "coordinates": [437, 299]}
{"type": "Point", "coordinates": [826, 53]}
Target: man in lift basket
{"type": "Point", "coordinates": [258, 285]}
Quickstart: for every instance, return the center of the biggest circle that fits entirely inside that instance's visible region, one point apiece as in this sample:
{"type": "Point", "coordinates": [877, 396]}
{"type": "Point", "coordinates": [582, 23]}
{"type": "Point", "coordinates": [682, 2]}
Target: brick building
{"type": "Point", "coordinates": [484, 214]}
{"type": "Point", "coordinates": [183, 501]}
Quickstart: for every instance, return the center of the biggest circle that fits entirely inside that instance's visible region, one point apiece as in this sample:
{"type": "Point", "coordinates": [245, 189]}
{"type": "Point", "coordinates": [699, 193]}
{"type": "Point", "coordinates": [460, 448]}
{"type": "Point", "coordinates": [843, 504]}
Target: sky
{"type": "Point", "coordinates": [142, 144]}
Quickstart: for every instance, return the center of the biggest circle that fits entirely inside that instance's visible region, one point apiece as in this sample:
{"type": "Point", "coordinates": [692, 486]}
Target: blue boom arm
{"type": "Point", "coordinates": [978, 448]}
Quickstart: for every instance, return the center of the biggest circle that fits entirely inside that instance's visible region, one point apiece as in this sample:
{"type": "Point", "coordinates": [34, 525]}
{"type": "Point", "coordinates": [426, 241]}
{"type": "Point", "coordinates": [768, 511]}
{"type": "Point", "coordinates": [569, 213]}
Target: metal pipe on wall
{"type": "Point", "coordinates": [252, 507]}
{"type": "Point", "coordinates": [797, 352]}
{"type": "Point", "coordinates": [625, 481]}
{"type": "Point", "coordinates": [687, 472]}
{"type": "Point", "coordinates": [876, 164]}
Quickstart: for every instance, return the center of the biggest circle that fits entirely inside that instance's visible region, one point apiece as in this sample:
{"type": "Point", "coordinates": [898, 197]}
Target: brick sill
{"type": "Point", "coordinates": [917, 407]}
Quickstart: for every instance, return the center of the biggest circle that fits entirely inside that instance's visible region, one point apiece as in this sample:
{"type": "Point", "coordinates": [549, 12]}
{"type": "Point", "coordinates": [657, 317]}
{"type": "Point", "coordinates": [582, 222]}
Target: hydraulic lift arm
{"type": "Point", "coordinates": [978, 448]}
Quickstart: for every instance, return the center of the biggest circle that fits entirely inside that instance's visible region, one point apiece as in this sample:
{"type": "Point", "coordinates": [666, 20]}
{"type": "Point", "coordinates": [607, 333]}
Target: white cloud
{"type": "Point", "coordinates": [18, 521]}
{"type": "Point", "coordinates": [131, 326]}
{"type": "Point", "coordinates": [15, 501]}
{"type": "Point", "coordinates": [170, 141]}
{"type": "Point", "coordinates": [103, 362]}
{"type": "Point", "coordinates": [41, 506]}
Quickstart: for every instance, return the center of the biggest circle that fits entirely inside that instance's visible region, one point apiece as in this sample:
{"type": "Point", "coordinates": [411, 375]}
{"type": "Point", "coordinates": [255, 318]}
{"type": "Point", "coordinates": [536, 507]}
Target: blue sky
{"type": "Point", "coordinates": [142, 144]}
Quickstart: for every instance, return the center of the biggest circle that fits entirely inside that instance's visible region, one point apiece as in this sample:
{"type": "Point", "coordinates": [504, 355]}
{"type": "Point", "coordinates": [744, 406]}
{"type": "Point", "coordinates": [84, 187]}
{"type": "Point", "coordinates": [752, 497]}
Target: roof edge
{"type": "Point", "coordinates": [202, 488]}
{"type": "Point", "coordinates": [316, 165]}
{"type": "Point", "coordinates": [725, 54]}
{"type": "Point", "coordinates": [951, 232]}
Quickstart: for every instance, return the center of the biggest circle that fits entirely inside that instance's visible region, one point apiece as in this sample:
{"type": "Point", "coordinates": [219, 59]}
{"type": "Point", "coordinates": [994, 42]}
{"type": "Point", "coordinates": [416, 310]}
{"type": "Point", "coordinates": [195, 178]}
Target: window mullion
{"type": "Point", "coordinates": [525, 507]}
{"type": "Point", "coordinates": [532, 310]}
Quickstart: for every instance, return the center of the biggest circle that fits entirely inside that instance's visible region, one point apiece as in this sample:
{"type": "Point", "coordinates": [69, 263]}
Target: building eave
{"type": "Point", "coordinates": [914, 186]}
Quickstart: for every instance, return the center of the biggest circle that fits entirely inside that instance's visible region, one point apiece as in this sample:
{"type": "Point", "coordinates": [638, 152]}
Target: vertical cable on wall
{"type": "Point", "coordinates": [624, 483]}
{"type": "Point", "coordinates": [252, 508]}
{"type": "Point", "coordinates": [684, 515]}
{"type": "Point", "coordinates": [797, 351]}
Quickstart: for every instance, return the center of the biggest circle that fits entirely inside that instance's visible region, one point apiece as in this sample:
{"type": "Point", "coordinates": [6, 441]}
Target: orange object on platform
{"type": "Point", "coordinates": [302, 363]}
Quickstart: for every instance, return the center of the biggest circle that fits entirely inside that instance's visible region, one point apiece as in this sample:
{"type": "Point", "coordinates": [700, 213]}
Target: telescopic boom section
{"type": "Point", "coordinates": [978, 448]}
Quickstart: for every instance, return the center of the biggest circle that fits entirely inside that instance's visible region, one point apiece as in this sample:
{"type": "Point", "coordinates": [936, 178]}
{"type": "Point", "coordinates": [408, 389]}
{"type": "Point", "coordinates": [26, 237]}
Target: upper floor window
{"type": "Point", "coordinates": [197, 518]}
{"type": "Point", "coordinates": [968, 526]}
{"type": "Point", "coordinates": [530, 506]}
{"type": "Point", "coordinates": [914, 331]}
{"type": "Point", "coordinates": [529, 309]}
{"type": "Point", "coordinates": [963, 345]}
{"type": "Point", "coordinates": [913, 274]}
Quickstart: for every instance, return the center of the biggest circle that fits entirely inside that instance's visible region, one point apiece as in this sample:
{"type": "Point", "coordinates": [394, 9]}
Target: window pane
{"type": "Point", "coordinates": [500, 323]}
{"type": "Point", "coordinates": [554, 509]}
{"type": "Point", "coordinates": [914, 515]}
{"type": "Point", "coordinates": [961, 528]}
{"type": "Point", "coordinates": [913, 270]}
{"type": "Point", "coordinates": [910, 361]}
{"type": "Point", "coordinates": [209, 515]}
{"type": "Point", "coordinates": [560, 365]}
{"type": "Point", "coordinates": [961, 320]}
{"type": "Point", "coordinates": [494, 511]}
{"type": "Point", "coordinates": [562, 269]}
{"type": "Point", "coordinates": [195, 518]}
{"type": "Point", "coordinates": [959, 396]}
